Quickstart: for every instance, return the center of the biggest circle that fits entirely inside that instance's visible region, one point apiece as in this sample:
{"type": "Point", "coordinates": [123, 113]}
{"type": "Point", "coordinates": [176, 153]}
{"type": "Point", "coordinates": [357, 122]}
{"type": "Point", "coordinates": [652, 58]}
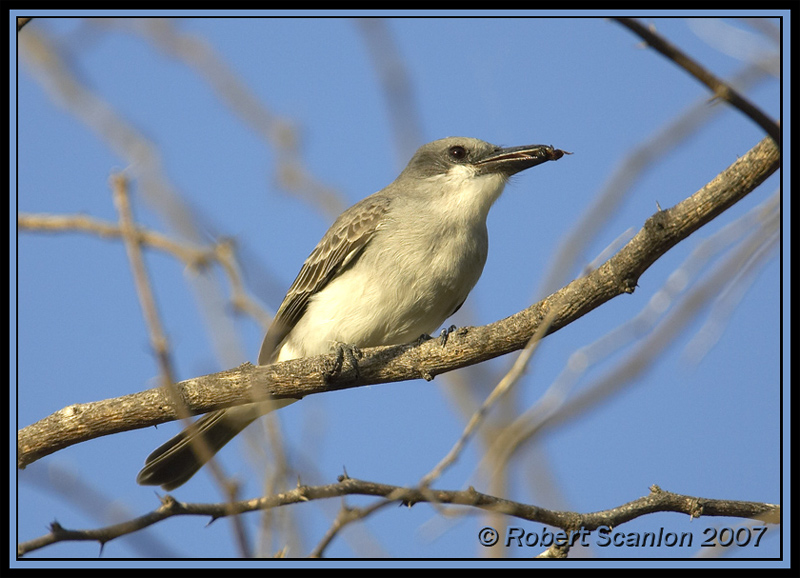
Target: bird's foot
{"type": "Point", "coordinates": [346, 361]}
{"type": "Point", "coordinates": [442, 336]}
{"type": "Point", "coordinates": [446, 333]}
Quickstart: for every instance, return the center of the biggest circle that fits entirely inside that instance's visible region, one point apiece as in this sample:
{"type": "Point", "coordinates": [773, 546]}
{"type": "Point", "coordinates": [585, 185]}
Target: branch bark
{"type": "Point", "coordinates": [465, 347]}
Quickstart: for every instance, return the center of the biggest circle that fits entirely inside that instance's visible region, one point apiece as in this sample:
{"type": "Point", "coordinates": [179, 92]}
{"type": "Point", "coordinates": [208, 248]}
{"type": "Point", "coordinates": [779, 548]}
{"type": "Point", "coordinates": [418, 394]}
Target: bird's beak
{"type": "Point", "coordinates": [515, 159]}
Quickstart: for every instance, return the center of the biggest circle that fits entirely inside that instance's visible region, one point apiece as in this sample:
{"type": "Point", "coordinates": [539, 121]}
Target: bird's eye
{"type": "Point", "coordinates": [457, 152]}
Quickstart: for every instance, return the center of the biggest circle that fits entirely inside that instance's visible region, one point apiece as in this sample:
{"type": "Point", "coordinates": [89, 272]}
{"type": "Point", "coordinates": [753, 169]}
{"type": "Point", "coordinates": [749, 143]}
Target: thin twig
{"type": "Point", "coordinates": [720, 88]}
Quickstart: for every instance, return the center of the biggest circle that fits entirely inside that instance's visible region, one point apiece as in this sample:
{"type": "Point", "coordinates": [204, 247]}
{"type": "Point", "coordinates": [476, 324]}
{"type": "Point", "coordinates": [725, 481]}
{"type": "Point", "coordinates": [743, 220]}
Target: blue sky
{"type": "Point", "coordinates": [701, 420]}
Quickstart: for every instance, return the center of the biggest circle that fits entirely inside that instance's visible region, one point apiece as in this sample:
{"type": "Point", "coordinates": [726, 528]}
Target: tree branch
{"type": "Point", "coordinates": [222, 252]}
{"type": "Point", "coordinates": [657, 500]}
{"type": "Point", "coordinates": [467, 346]}
{"type": "Point", "coordinates": [720, 88]}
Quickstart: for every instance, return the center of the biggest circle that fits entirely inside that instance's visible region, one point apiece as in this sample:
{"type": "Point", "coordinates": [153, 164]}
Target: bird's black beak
{"type": "Point", "coordinates": [515, 159]}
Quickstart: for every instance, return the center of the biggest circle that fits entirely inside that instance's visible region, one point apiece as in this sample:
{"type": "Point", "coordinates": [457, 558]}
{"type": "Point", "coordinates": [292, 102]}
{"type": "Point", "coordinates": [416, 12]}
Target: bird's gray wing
{"type": "Point", "coordinates": [343, 242]}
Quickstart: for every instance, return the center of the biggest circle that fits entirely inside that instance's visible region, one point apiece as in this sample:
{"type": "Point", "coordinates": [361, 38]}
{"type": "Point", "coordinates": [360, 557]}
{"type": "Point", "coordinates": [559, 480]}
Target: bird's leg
{"type": "Point", "coordinates": [442, 336]}
{"type": "Point", "coordinates": [423, 338]}
{"type": "Point", "coordinates": [446, 333]}
{"type": "Point", "coordinates": [343, 351]}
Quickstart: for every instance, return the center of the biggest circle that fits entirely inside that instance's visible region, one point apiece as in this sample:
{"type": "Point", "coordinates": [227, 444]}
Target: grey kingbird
{"type": "Point", "coordinates": [390, 269]}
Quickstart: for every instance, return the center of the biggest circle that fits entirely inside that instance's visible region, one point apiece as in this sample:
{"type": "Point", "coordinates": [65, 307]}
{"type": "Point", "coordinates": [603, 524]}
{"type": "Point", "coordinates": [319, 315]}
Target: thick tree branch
{"type": "Point", "coordinates": [468, 346]}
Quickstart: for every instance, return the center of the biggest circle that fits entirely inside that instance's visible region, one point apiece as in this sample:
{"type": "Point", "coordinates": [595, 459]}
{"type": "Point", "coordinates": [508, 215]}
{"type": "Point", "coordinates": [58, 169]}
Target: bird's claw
{"type": "Point", "coordinates": [346, 355]}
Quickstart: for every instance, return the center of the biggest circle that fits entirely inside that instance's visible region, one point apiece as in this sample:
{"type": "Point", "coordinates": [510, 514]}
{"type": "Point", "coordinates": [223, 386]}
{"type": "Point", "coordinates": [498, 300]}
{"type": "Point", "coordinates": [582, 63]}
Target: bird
{"type": "Point", "coordinates": [390, 269]}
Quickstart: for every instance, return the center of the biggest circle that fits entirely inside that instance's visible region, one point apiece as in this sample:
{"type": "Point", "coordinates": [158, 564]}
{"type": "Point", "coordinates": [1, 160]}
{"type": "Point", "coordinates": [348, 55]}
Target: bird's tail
{"type": "Point", "coordinates": [173, 463]}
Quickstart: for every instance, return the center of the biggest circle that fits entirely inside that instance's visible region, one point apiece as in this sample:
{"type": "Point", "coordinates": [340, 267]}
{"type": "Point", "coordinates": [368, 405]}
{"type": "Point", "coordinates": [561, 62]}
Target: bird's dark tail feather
{"type": "Point", "coordinates": [175, 462]}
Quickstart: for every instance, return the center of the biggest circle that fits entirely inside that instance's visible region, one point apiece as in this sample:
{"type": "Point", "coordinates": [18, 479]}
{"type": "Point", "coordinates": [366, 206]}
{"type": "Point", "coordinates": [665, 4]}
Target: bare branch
{"type": "Point", "coordinates": [657, 500]}
{"type": "Point", "coordinates": [222, 252]}
{"type": "Point", "coordinates": [720, 88]}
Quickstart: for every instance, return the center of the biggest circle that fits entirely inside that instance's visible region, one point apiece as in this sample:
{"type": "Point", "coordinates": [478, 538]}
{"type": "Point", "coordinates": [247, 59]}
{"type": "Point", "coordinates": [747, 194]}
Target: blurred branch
{"type": "Point", "coordinates": [765, 27]}
{"type": "Point", "coordinates": [56, 72]}
{"type": "Point", "coordinates": [22, 21]}
{"type": "Point", "coordinates": [396, 85]}
{"type": "Point", "coordinates": [720, 88]}
{"type": "Point", "coordinates": [194, 257]}
{"type": "Point", "coordinates": [158, 339]}
{"type": "Point", "coordinates": [657, 500]}
{"type": "Point", "coordinates": [279, 133]}
{"type": "Point", "coordinates": [466, 346]}
{"type": "Point", "coordinates": [649, 330]}
{"type": "Point", "coordinates": [348, 515]}
{"type": "Point", "coordinates": [84, 494]}
{"type": "Point", "coordinates": [759, 249]}
{"type": "Point", "coordinates": [504, 385]}
{"type": "Point", "coordinates": [632, 170]}
{"type": "Point", "coordinates": [141, 279]}
{"type": "Point", "coordinates": [52, 68]}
